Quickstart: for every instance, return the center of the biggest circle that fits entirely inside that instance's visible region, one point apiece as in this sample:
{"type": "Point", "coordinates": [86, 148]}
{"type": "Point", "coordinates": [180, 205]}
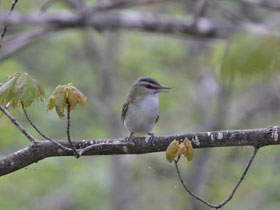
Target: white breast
{"type": "Point", "coordinates": [141, 117]}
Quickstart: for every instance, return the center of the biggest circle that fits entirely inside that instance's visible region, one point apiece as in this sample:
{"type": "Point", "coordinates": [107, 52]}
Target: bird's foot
{"type": "Point", "coordinates": [129, 137]}
{"type": "Point", "coordinates": [152, 136]}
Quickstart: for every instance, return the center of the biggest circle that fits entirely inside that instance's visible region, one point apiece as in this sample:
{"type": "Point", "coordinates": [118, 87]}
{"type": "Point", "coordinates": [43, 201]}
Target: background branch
{"type": "Point", "coordinates": [5, 27]}
{"type": "Point", "coordinates": [272, 5]}
{"type": "Point", "coordinates": [112, 20]}
{"type": "Point", "coordinates": [14, 45]}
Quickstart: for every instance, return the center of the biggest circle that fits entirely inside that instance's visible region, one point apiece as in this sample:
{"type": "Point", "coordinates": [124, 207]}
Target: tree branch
{"type": "Point", "coordinates": [138, 145]}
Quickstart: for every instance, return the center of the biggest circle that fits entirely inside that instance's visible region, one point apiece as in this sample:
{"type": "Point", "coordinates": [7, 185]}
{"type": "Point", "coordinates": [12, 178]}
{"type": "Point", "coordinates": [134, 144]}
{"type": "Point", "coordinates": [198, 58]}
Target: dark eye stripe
{"type": "Point", "coordinates": [150, 86]}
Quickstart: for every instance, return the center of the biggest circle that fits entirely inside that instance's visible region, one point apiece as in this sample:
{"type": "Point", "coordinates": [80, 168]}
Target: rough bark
{"type": "Point", "coordinates": [139, 145]}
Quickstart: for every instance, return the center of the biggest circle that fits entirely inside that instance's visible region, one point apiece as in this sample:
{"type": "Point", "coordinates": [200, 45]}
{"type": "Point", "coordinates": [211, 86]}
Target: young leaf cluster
{"type": "Point", "coordinates": [176, 150]}
{"type": "Point", "coordinates": [65, 95]}
{"type": "Point", "coordinates": [20, 89]}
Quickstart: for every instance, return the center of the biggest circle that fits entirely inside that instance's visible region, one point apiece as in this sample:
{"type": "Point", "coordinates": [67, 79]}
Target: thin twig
{"type": "Point", "coordinates": [5, 27]}
{"type": "Point", "coordinates": [68, 130]}
{"type": "Point", "coordinates": [39, 132]}
{"type": "Point", "coordinates": [224, 202]}
{"type": "Point", "coordinates": [16, 123]}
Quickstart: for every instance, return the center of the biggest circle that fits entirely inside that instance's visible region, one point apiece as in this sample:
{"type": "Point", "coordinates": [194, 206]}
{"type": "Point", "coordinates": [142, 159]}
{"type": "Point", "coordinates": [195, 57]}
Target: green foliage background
{"type": "Point", "coordinates": [194, 73]}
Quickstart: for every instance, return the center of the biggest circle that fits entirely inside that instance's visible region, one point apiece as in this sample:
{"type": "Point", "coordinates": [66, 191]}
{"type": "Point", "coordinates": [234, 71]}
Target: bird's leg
{"type": "Point", "coordinates": [152, 136]}
{"type": "Point", "coordinates": [129, 137]}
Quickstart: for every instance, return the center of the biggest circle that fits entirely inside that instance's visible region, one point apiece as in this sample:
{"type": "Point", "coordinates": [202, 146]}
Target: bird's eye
{"type": "Point", "coordinates": [149, 86]}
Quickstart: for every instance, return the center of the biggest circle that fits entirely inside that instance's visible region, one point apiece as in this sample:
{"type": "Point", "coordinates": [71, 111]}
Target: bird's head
{"type": "Point", "coordinates": [145, 86]}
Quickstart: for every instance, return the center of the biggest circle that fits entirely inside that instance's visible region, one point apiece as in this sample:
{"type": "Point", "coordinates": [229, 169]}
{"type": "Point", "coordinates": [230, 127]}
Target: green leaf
{"type": "Point", "coordinates": [24, 91]}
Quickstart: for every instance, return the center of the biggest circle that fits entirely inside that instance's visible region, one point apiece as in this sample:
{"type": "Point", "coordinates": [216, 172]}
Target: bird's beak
{"type": "Point", "coordinates": [164, 89]}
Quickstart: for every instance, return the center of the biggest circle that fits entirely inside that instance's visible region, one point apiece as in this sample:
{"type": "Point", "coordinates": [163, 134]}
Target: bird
{"type": "Point", "coordinates": [140, 112]}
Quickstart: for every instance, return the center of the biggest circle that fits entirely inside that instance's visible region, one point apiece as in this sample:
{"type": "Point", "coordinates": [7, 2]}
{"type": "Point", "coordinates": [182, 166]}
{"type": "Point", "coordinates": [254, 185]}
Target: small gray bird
{"type": "Point", "coordinates": [140, 112]}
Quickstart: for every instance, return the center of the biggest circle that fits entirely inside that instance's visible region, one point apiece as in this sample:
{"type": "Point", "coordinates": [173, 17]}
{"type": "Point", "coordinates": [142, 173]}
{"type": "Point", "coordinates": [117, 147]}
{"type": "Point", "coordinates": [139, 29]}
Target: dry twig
{"type": "Point", "coordinates": [42, 134]}
{"type": "Point", "coordinates": [224, 202]}
{"type": "Point", "coordinates": [18, 125]}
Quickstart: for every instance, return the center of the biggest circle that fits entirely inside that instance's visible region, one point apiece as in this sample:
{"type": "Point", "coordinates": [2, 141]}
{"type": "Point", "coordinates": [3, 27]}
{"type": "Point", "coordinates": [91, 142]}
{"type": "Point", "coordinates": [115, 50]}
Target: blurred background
{"type": "Point", "coordinates": [230, 83]}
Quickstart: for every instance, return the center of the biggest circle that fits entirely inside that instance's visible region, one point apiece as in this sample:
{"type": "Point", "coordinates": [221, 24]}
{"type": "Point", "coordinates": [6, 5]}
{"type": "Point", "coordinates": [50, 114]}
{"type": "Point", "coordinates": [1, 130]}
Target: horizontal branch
{"type": "Point", "coordinates": [139, 145]}
{"type": "Point", "coordinates": [129, 20]}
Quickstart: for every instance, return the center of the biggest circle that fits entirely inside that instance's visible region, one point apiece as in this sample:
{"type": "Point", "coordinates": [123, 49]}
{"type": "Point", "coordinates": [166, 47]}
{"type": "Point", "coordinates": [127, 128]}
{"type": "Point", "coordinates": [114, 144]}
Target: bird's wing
{"type": "Point", "coordinates": [124, 110]}
{"type": "Point", "coordinates": [157, 118]}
